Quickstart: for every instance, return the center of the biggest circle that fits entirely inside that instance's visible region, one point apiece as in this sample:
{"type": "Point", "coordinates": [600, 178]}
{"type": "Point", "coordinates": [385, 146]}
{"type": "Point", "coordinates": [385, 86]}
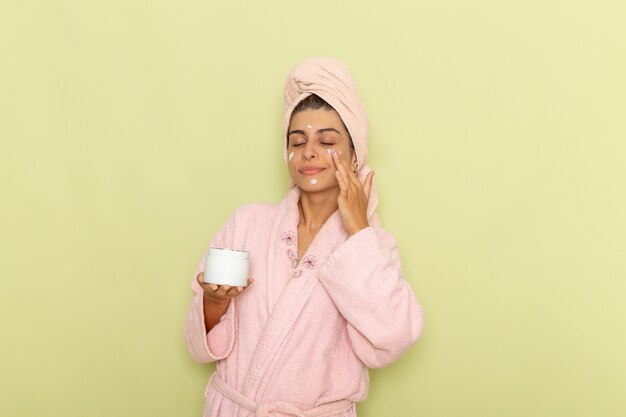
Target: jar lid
{"type": "Point", "coordinates": [230, 253]}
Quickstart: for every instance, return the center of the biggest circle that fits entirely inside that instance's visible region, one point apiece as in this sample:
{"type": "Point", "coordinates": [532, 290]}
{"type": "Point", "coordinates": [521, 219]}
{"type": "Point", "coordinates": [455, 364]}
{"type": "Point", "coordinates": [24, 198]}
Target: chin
{"type": "Point", "coordinates": [319, 187]}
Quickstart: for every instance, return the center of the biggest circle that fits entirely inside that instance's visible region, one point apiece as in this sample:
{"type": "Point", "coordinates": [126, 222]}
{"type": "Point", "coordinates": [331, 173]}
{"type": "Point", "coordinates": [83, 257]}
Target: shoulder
{"type": "Point", "coordinates": [246, 221]}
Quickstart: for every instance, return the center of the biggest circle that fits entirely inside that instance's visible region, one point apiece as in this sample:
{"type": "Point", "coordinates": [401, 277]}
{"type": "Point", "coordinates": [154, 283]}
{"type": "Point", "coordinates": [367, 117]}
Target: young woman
{"type": "Point", "coordinates": [326, 299]}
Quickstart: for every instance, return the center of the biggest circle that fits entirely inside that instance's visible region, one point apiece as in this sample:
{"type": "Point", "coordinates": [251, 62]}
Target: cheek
{"type": "Point", "coordinates": [293, 154]}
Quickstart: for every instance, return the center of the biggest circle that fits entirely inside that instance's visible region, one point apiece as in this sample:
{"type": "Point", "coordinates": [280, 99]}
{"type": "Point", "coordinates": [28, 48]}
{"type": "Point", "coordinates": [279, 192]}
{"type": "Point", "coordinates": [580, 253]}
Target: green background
{"type": "Point", "coordinates": [131, 129]}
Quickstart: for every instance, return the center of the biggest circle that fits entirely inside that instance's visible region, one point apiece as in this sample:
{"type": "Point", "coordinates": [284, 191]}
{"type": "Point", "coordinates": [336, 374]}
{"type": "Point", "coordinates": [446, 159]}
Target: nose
{"type": "Point", "coordinates": [309, 152]}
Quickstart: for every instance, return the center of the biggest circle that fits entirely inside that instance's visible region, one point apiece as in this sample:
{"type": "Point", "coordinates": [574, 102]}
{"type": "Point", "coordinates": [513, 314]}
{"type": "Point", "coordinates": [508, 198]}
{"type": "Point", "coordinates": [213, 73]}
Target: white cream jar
{"type": "Point", "coordinates": [226, 267]}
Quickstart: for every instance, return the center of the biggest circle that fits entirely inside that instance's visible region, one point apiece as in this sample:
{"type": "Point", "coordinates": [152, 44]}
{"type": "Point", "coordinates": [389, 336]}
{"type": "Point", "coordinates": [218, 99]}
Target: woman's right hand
{"type": "Point", "coordinates": [220, 293]}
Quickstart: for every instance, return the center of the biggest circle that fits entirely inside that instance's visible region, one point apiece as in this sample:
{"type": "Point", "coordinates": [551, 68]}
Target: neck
{"type": "Point", "coordinates": [316, 208]}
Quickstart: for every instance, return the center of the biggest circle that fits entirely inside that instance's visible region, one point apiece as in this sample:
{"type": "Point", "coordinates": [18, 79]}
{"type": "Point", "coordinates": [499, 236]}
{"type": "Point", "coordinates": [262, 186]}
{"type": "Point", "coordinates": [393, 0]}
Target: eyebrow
{"type": "Point", "coordinates": [319, 131]}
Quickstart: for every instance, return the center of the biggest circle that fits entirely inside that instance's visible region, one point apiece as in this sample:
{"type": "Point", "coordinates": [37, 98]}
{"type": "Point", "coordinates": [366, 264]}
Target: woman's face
{"type": "Point", "coordinates": [312, 136]}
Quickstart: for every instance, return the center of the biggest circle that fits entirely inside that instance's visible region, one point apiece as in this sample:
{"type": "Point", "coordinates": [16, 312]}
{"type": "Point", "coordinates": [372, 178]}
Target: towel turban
{"type": "Point", "coordinates": [330, 80]}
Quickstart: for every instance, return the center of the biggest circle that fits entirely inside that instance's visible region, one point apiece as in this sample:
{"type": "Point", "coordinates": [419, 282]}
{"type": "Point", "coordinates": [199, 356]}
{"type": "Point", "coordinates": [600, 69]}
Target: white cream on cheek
{"type": "Point", "coordinates": [290, 156]}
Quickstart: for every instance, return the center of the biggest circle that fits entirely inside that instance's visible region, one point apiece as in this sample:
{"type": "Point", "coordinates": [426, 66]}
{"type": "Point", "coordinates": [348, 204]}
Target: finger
{"type": "Point", "coordinates": [239, 289]}
{"type": "Point", "coordinates": [342, 182]}
{"type": "Point", "coordinates": [351, 177]}
{"type": "Point", "coordinates": [341, 178]}
{"type": "Point", "coordinates": [341, 169]}
{"type": "Point", "coordinates": [339, 163]}
{"type": "Point", "coordinates": [205, 285]}
{"type": "Point", "coordinates": [368, 184]}
{"type": "Point", "coordinates": [233, 291]}
{"type": "Point", "coordinates": [355, 179]}
{"type": "Point", "coordinates": [345, 162]}
{"type": "Point", "coordinates": [349, 170]}
{"type": "Point", "coordinates": [222, 290]}
{"type": "Point", "coordinates": [250, 282]}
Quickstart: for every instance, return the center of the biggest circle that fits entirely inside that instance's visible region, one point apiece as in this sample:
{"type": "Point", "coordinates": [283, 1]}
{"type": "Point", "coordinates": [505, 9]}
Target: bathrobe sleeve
{"type": "Point", "coordinates": [364, 279]}
{"type": "Point", "coordinates": [217, 343]}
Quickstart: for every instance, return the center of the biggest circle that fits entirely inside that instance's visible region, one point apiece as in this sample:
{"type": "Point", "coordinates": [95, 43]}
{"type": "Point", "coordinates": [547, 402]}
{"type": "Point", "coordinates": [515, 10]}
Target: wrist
{"type": "Point", "coordinates": [357, 229]}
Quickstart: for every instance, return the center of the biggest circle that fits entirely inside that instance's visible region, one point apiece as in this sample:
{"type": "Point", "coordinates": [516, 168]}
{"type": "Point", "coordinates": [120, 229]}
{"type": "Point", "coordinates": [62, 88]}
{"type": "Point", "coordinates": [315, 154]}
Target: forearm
{"type": "Point", "coordinates": [364, 279]}
{"type": "Point", "coordinates": [214, 309]}
{"type": "Point", "coordinates": [205, 346]}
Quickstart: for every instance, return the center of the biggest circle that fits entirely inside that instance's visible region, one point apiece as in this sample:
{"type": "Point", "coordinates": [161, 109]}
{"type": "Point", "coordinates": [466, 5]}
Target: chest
{"type": "Point", "coordinates": [304, 240]}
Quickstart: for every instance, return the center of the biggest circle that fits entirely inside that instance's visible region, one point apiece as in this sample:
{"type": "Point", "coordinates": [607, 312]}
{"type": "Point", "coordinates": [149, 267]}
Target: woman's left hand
{"type": "Point", "coordinates": [353, 196]}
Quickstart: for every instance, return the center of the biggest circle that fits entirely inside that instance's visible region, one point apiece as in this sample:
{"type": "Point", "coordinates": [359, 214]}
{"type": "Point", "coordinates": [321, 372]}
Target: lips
{"type": "Point", "coordinates": [310, 170]}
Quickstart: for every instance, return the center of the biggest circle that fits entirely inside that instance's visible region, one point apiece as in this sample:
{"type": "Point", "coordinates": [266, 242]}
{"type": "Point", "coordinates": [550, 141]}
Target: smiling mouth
{"type": "Point", "coordinates": [310, 171]}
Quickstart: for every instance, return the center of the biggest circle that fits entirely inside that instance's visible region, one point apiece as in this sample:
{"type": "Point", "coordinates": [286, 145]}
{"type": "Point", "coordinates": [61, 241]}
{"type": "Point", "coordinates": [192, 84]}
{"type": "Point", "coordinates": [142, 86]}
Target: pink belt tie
{"type": "Point", "coordinates": [271, 409]}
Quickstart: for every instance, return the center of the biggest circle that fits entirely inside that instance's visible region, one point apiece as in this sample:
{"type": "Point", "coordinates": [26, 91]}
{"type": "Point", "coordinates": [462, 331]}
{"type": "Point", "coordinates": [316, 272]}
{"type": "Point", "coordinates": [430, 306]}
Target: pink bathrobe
{"type": "Point", "coordinates": [300, 340]}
